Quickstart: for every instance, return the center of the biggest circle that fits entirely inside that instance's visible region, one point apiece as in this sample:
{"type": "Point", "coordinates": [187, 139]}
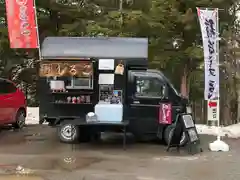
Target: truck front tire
{"type": "Point", "coordinates": [68, 133]}
{"type": "Point", "coordinates": [168, 133]}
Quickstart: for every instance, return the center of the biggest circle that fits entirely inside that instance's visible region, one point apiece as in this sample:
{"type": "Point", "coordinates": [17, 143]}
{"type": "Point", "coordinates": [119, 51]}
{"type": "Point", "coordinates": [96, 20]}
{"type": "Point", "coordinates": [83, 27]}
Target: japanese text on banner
{"type": "Point", "coordinates": [208, 23]}
{"type": "Point", "coordinates": [22, 29]}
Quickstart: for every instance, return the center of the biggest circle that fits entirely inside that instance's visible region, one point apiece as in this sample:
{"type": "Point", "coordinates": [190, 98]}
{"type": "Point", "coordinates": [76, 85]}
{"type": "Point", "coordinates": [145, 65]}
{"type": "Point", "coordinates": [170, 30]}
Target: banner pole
{"type": "Point", "coordinates": [218, 145]}
{"type": "Point", "coordinates": [218, 103]}
{"type": "Point", "coordinates": [37, 30]}
{"type": "Point", "coordinates": [209, 24]}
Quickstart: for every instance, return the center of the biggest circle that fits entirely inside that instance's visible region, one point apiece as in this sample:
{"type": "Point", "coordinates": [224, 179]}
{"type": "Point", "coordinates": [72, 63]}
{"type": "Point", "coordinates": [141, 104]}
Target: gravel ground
{"type": "Point", "coordinates": [36, 154]}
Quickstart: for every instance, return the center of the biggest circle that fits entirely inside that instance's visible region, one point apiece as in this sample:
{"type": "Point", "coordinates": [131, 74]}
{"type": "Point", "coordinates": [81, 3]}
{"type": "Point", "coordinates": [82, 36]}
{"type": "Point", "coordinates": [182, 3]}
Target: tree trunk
{"type": "Point", "coordinates": [184, 83]}
{"type": "Point", "coordinates": [226, 116]}
{"type": "Point", "coordinates": [238, 108]}
{"type": "Point", "coordinates": [225, 108]}
{"type": "Point", "coordinates": [55, 20]}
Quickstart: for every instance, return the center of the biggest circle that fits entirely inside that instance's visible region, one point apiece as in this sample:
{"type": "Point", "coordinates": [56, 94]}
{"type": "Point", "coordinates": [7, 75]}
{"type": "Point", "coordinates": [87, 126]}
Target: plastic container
{"type": "Point", "coordinates": [109, 112]}
{"type": "Point", "coordinates": [91, 117]}
{"type": "Point", "coordinates": [57, 85]}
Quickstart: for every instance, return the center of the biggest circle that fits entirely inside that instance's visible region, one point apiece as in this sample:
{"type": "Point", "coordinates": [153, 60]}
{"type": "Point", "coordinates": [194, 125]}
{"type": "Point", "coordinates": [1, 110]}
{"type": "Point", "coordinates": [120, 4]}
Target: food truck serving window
{"type": "Point", "coordinates": [147, 86]}
{"type": "Point", "coordinates": [80, 83]}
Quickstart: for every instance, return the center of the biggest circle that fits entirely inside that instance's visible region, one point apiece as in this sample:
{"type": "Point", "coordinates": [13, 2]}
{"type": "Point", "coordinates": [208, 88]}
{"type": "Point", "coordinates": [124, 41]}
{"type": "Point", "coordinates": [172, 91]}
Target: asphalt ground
{"type": "Point", "coordinates": [35, 153]}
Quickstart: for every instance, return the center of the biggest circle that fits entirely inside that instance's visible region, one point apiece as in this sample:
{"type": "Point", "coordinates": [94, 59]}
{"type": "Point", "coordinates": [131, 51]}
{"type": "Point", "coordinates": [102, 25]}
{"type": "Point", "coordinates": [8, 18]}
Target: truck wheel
{"type": "Point", "coordinates": [168, 133]}
{"type": "Point", "coordinates": [68, 133]}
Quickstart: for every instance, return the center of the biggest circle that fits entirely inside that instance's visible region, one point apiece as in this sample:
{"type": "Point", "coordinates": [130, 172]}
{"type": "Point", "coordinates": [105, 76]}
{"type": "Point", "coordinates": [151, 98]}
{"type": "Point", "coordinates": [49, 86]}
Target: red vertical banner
{"type": "Point", "coordinates": [21, 22]}
{"type": "Point", "coordinates": [165, 114]}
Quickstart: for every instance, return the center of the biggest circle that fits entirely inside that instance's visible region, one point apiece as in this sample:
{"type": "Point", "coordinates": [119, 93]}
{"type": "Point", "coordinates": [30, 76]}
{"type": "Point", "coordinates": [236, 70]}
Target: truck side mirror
{"type": "Point", "coordinates": [165, 92]}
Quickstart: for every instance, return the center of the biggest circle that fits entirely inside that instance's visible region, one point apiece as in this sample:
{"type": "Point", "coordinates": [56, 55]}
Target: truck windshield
{"type": "Point", "coordinates": [165, 79]}
{"type": "Point", "coordinates": [149, 87]}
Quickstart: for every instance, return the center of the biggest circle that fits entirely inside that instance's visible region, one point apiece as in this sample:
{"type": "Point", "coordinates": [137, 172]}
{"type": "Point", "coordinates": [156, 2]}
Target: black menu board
{"type": "Point", "coordinates": [105, 93]}
{"type": "Point", "coordinates": [185, 124]}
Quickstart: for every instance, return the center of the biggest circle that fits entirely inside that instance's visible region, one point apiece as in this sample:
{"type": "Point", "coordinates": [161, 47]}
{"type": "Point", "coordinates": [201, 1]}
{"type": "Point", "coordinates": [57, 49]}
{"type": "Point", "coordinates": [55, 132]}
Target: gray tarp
{"type": "Point", "coordinates": [101, 47]}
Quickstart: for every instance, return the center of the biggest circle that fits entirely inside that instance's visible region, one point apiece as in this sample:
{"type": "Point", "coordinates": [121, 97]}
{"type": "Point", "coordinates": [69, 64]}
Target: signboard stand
{"type": "Point", "coordinates": [218, 145]}
{"type": "Point", "coordinates": [185, 124]}
{"type": "Point", "coordinates": [176, 135]}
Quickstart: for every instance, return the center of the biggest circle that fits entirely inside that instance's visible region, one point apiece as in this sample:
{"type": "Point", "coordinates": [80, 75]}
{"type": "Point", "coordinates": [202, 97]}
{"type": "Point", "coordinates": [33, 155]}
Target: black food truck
{"type": "Point", "coordinates": [90, 85]}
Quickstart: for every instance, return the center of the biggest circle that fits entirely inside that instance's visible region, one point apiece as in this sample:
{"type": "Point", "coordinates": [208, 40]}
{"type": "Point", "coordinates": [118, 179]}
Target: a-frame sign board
{"type": "Point", "coordinates": [184, 124]}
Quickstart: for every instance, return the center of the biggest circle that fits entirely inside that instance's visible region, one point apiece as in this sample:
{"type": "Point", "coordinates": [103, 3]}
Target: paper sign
{"type": "Point", "coordinates": [106, 79]}
{"type": "Point", "coordinates": [106, 64]}
{"type": "Point", "coordinates": [188, 121]}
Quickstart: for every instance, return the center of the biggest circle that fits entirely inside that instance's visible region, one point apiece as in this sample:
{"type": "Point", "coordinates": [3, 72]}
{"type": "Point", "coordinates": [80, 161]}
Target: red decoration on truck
{"type": "Point", "coordinates": [165, 114]}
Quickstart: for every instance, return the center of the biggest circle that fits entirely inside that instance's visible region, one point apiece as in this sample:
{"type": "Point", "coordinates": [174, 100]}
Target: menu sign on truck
{"type": "Point", "coordinates": [64, 68]}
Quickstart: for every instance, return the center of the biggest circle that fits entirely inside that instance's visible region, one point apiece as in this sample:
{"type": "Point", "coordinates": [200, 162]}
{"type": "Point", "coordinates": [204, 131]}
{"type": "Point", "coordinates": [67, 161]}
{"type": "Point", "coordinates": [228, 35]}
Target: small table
{"type": "Point", "coordinates": [123, 125]}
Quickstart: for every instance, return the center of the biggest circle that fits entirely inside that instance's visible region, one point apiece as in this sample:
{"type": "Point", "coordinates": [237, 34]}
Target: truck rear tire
{"type": "Point", "coordinates": [68, 133]}
{"type": "Point", "coordinates": [168, 133]}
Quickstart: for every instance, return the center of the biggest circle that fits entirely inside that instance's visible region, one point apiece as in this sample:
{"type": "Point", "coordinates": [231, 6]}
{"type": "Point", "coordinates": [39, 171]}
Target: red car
{"type": "Point", "coordinates": [12, 105]}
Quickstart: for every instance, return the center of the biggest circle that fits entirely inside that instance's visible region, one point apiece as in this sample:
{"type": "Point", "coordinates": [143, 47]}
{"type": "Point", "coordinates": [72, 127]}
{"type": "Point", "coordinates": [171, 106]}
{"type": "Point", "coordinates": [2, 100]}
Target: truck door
{"type": "Point", "coordinates": [145, 93]}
